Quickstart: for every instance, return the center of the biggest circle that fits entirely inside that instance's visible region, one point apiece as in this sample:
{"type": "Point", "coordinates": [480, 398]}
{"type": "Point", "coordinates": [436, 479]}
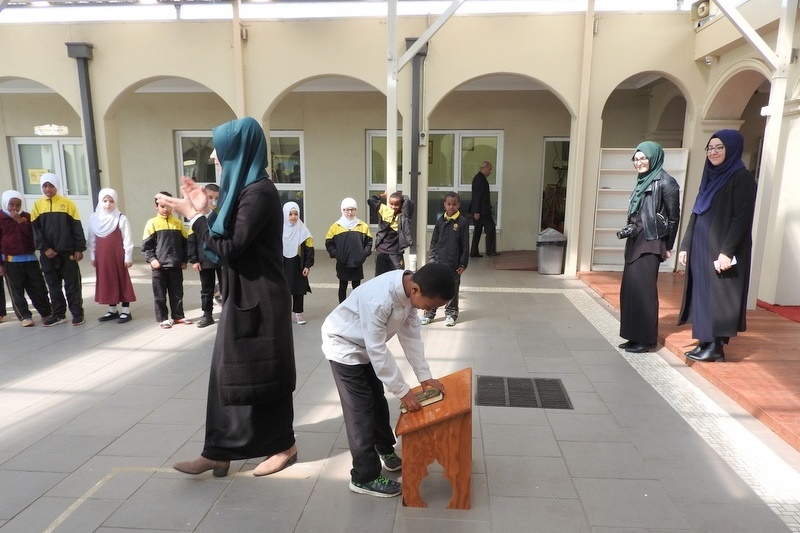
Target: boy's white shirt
{"type": "Point", "coordinates": [356, 332]}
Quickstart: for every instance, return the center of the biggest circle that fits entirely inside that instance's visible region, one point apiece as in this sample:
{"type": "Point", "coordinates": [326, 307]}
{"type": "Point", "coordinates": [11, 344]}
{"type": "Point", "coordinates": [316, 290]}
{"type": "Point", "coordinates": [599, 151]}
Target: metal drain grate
{"type": "Point", "coordinates": [545, 393]}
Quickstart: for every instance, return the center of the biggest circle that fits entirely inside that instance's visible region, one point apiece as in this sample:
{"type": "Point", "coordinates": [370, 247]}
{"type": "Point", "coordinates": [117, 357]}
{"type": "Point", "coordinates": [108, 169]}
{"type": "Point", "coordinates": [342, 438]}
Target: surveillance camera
{"type": "Point", "coordinates": [423, 139]}
{"type": "Point", "coordinates": [709, 60]}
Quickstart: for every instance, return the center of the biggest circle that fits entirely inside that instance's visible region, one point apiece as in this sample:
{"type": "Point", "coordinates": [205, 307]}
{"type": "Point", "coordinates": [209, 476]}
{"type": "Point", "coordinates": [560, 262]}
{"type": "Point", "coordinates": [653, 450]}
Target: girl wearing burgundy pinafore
{"type": "Point", "coordinates": [111, 252]}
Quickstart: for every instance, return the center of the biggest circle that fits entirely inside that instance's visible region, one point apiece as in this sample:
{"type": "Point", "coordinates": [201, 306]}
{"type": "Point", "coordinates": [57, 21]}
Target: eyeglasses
{"type": "Point", "coordinates": [716, 149]}
{"type": "Point", "coordinates": [350, 209]}
{"type": "Point", "coordinates": [640, 160]}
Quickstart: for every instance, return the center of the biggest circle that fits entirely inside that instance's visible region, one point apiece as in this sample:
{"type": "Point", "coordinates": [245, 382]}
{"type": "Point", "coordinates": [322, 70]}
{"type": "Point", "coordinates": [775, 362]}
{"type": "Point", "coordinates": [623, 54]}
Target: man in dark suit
{"type": "Point", "coordinates": [481, 210]}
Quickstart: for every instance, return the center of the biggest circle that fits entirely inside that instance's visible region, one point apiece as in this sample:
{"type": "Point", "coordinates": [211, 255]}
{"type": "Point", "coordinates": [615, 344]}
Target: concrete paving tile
{"type": "Point", "coordinates": [436, 492]}
{"type": "Point", "coordinates": [520, 416]}
{"type": "Point", "coordinates": [597, 356]}
{"type": "Point", "coordinates": [615, 460]}
{"type": "Point", "coordinates": [617, 374]}
{"type": "Point", "coordinates": [87, 516]}
{"type": "Point", "coordinates": [454, 524]}
{"type": "Point", "coordinates": [120, 477]}
{"type": "Point", "coordinates": [563, 364]}
{"type": "Point", "coordinates": [141, 396]}
{"type": "Point", "coordinates": [318, 418]}
{"type": "Point", "coordinates": [178, 411]}
{"type": "Point", "coordinates": [640, 504]}
{"type": "Point", "coordinates": [27, 488]}
{"type": "Point", "coordinates": [514, 440]}
{"type": "Point", "coordinates": [680, 445]}
{"type": "Point", "coordinates": [47, 512]}
{"type": "Point", "coordinates": [333, 508]}
{"type": "Point", "coordinates": [529, 477]}
{"type": "Point", "coordinates": [547, 514]}
{"type": "Point", "coordinates": [583, 427]}
{"type": "Point", "coordinates": [245, 520]}
{"type": "Point", "coordinates": [636, 392]}
{"type": "Point", "coordinates": [177, 503]}
{"type": "Point", "coordinates": [731, 518]}
{"type": "Point", "coordinates": [654, 416]}
{"type": "Point", "coordinates": [153, 440]}
{"type": "Point", "coordinates": [100, 421]}
{"type": "Point", "coordinates": [57, 453]}
{"type": "Point", "coordinates": [586, 403]}
{"type": "Point", "coordinates": [702, 482]}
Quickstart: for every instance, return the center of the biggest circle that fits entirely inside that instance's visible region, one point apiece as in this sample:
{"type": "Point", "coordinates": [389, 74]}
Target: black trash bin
{"type": "Point", "coordinates": [551, 247]}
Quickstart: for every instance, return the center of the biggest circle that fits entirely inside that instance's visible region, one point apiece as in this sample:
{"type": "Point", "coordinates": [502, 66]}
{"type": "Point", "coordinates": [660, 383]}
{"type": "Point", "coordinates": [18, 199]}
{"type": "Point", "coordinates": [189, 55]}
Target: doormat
{"type": "Point", "coordinates": [792, 312]}
{"type": "Point", "coordinates": [516, 260]}
{"type": "Point", "coordinates": [545, 393]}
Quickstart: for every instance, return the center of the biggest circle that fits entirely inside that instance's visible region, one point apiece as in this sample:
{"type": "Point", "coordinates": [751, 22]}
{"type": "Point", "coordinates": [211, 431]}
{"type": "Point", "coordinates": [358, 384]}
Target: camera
{"type": "Point", "coordinates": [626, 232]}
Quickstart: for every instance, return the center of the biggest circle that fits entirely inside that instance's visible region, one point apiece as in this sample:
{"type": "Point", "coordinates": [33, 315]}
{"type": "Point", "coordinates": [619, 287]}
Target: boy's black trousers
{"type": "Point", "coordinates": [168, 282]}
{"type": "Point", "coordinates": [366, 418]}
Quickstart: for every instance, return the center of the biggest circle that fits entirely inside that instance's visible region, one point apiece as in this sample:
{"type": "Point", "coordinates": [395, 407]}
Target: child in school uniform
{"type": "Point", "coordinates": [354, 338]}
{"type": "Point", "coordinates": [111, 253]}
{"type": "Point", "coordinates": [450, 246]}
{"type": "Point", "coordinates": [394, 230]}
{"type": "Point", "coordinates": [165, 250]}
{"type": "Point", "coordinates": [204, 264]}
{"type": "Point", "coordinates": [298, 257]}
{"type": "Point", "coordinates": [18, 262]}
{"type": "Point", "coordinates": [349, 242]}
{"type": "Point", "coordinates": [58, 234]}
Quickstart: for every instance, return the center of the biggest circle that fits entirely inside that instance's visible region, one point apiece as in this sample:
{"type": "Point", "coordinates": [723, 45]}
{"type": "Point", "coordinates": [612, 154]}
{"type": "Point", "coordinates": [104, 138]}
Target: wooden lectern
{"type": "Point", "coordinates": [440, 431]}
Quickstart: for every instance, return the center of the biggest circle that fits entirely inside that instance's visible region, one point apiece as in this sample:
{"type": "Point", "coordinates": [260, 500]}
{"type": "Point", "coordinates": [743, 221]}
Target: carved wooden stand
{"type": "Point", "coordinates": [443, 432]}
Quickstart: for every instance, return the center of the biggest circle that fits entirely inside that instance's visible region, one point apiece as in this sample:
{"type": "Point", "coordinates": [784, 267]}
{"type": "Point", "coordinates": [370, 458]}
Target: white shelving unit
{"type": "Point", "coordinates": [614, 186]}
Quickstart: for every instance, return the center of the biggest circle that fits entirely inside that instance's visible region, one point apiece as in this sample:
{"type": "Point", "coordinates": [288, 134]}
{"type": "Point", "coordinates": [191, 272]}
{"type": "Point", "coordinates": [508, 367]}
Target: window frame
{"type": "Point", "coordinates": [284, 189]}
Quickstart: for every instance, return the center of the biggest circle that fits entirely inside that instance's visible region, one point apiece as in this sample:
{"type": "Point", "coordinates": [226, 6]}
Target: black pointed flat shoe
{"type": "Point", "coordinates": [697, 349]}
{"type": "Point", "coordinates": [638, 347]}
{"type": "Point", "coordinates": [711, 353]}
{"type": "Point", "coordinates": [626, 344]}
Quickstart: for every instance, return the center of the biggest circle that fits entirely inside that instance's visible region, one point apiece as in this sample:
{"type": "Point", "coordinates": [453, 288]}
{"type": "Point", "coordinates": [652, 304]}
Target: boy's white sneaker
{"type": "Point", "coordinates": [167, 324]}
{"type": "Point", "coordinates": [449, 321]}
{"type": "Point", "coordinates": [425, 321]}
{"type": "Point", "coordinates": [299, 318]}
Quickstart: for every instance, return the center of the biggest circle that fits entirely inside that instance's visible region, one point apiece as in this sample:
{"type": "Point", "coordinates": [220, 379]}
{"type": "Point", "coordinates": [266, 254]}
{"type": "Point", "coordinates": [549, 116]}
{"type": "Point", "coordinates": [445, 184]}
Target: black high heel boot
{"type": "Point", "coordinates": [697, 349]}
{"type": "Point", "coordinates": [709, 354]}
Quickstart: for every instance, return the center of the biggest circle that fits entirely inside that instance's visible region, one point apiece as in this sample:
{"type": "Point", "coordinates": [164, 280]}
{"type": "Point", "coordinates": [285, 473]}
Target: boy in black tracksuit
{"type": "Point", "coordinates": [59, 237]}
{"type": "Point", "coordinates": [165, 249]}
{"type": "Point", "coordinates": [450, 246]}
{"type": "Point", "coordinates": [204, 265]}
{"type": "Point", "coordinates": [394, 230]}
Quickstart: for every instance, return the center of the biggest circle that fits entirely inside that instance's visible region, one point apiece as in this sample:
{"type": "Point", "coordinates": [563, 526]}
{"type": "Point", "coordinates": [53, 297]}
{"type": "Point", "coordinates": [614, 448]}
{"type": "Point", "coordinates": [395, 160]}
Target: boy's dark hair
{"type": "Point", "coordinates": [213, 187]}
{"type": "Point", "coordinates": [436, 280]}
{"type": "Point", "coordinates": [397, 195]}
{"type": "Point", "coordinates": [165, 193]}
{"type": "Point", "coordinates": [453, 194]}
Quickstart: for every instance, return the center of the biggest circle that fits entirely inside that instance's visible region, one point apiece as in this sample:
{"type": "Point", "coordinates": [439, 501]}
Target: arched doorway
{"type": "Point", "coordinates": [645, 107]}
{"type": "Point", "coordinates": [515, 122]}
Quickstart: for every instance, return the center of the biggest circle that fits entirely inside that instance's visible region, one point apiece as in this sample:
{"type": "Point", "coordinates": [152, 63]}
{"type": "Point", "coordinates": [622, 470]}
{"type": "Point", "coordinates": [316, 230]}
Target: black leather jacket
{"type": "Point", "coordinates": [660, 209]}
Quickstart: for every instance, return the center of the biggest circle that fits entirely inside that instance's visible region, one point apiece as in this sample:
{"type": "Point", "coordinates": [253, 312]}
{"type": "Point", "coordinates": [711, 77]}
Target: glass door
{"type": "Point", "coordinates": [65, 157]}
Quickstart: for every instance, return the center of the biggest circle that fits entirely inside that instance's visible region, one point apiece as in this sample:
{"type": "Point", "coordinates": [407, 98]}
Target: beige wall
{"type": "Point", "coordinates": [135, 131]}
{"type": "Point", "coordinates": [146, 125]}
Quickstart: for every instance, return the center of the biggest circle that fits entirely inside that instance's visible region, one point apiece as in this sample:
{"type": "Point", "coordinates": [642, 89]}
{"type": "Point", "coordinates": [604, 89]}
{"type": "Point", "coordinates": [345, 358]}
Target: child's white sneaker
{"type": "Point", "coordinates": [299, 318]}
{"type": "Point", "coordinates": [425, 321]}
{"type": "Point", "coordinates": [449, 321]}
{"type": "Point", "coordinates": [167, 324]}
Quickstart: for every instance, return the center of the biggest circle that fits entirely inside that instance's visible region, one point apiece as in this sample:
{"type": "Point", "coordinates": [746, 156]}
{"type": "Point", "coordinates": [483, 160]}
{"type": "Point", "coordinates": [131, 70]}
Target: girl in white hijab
{"type": "Point", "coordinates": [298, 257]}
{"type": "Point", "coordinates": [111, 251]}
{"type": "Point", "coordinates": [349, 242]}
